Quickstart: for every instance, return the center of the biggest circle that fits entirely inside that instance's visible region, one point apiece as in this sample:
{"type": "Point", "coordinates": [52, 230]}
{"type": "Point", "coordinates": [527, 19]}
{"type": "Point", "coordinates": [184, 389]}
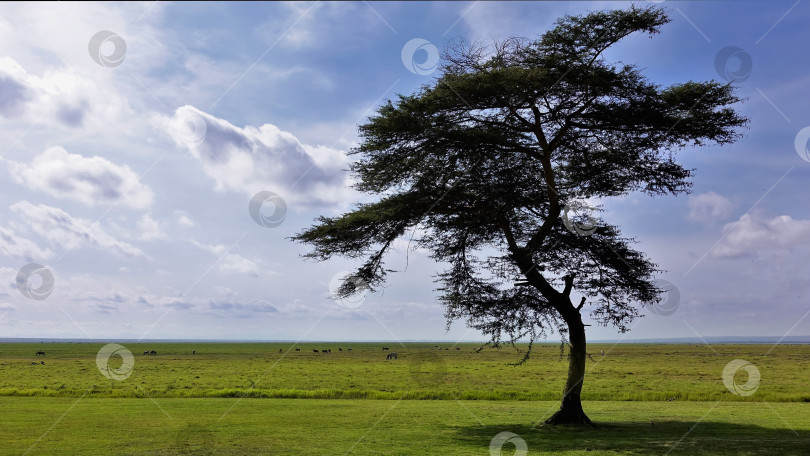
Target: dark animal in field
{"type": "Point", "coordinates": [435, 346]}
{"type": "Point", "coordinates": [326, 351]}
{"type": "Point", "coordinates": [349, 349]}
{"type": "Point", "coordinates": [458, 348]}
{"type": "Point", "coordinates": [193, 352]}
{"type": "Point", "coordinates": [33, 364]}
{"type": "Point", "coordinates": [146, 352]}
{"type": "Point", "coordinates": [279, 350]}
{"type": "Point", "coordinates": [298, 349]}
{"type": "Point", "coordinates": [315, 351]}
{"type": "Point", "coordinates": [447, 349]}
{"type": "Point", "coordinates": [392, 355]}
{"type": "Point", "coordinates": [42, 363]}
{"type": "Point", "coordinates": [41, 353]}
{"type": "Point", "coordinates": [385, 348]}
{"type": "Point", "coordinates": [152, 353]}
{"type": "Point", "coordinates": [340, 349]}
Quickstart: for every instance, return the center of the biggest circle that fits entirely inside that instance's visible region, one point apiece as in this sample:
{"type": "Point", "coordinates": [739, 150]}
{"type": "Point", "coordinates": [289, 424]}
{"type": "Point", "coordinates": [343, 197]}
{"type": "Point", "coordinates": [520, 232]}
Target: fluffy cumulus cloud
{"type": "Point", "coordinates": [67, 232]}
{"type": "Point", "coordinates": [17, 247]}
{"type": "Point", "coordinates": [149, 229]}
{"type": "Point", "coordinates": [59, 96]}
{"type": "Point", "coordinates": [230, 262]}
{"type": "Point", "coordinates": [253, 159]}
{"type": "Point", "coordinates": [709, 208]}
{"type": "Point", "coordinates": [89, 180]}
{"type": "Point", "coordinates": [752, 234]}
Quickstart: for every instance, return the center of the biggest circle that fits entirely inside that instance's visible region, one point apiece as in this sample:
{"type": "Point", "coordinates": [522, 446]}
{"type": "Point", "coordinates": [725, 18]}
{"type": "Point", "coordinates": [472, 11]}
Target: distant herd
{"type": "Point", "coordinates": [388, 356]}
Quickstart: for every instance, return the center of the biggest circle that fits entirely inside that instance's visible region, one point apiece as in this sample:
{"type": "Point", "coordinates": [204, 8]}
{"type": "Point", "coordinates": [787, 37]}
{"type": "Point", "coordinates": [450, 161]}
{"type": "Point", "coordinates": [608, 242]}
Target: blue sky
{"type": "Point", "coordinates": [130, 181]}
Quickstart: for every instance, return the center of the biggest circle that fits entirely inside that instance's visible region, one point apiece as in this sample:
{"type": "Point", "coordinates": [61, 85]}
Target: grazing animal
{"type": "Point", "coordinates": [435, 346]}
{"type": "Point", "coordinates": [193, 352]}
{"type": "Point", "coordinates": [42, 363]}
{"type": "Point", "coordinates": [152, 353]}
{"type": "Point", "coordinates": [385, 348]}
{"type": "Point", "coordinates": [315, 351]}
{"type": "Point", "coordinates": [392, 355]}
{"type": "Point", "coordinates": [340, 349]}
{"type": "Point", "coordinates": [298, 349]}
{"type": "Point", "coordinates": [603, 352]}
{"type": "Point", "coordinates": [34, 364]}
{"type": "Point", "coordinates": [146, 352]}
{"type": "Point", "coordinates": [41, 353]}
{"type": "Point", "coordinates": [458, 348]}
{"type": "Point", "coordinates": [328, 351]}
{"type": "Point", "coordinates": [279, 350]}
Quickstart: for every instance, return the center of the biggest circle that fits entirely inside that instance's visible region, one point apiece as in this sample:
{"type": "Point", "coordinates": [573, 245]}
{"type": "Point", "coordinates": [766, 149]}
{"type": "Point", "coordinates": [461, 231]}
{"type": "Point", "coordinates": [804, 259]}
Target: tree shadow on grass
{"type": "Point", "coordinates": [673, 437]}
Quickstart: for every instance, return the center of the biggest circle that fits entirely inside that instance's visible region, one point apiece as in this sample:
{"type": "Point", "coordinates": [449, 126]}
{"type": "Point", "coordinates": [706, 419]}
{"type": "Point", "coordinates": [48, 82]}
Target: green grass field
{"type": "Point", "coordinates": [250, 399]}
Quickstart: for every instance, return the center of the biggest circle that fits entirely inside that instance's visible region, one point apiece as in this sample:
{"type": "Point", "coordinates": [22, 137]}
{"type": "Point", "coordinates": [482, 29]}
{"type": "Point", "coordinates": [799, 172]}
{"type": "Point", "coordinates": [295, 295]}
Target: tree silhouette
{"type": "Point", "coordinates": [493, 161]}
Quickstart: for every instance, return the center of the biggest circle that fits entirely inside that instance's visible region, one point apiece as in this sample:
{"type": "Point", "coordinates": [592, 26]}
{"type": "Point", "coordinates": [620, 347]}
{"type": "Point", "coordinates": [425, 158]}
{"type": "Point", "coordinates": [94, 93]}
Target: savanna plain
{"type": "Point", "coordinates": [443, 399]}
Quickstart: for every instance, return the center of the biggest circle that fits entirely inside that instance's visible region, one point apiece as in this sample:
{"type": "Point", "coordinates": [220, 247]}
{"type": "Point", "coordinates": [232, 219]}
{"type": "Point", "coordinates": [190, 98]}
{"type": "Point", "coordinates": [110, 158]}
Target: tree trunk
{"type": "Point", "coordinates": [570, 411]}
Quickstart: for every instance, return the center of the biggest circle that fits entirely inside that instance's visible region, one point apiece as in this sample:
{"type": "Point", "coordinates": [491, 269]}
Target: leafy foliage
{"type": "Point", "coordinates": [484, 160]}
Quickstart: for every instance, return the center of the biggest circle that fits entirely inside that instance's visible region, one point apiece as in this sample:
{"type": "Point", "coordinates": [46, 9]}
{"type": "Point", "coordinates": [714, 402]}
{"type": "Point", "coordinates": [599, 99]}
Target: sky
{"type": "Point", "coordinates": [156, 157]}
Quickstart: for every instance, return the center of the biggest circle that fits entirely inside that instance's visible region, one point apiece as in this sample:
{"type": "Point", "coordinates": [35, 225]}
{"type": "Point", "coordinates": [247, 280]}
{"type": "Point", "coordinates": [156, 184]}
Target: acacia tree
{"type": "Point", "coordinates": [487, 160]}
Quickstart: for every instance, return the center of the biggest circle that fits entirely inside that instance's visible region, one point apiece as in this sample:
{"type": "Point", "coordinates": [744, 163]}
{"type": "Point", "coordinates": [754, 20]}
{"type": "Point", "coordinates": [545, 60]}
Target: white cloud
{"type": "Point", "coordinates": [149, 229]}
{"type": "Point", "coordinates": [14, 246]}
{"type": "Point", "coordinates": [752, 234]}
{"type": "Point", "coordinates": [709, 208]}
{"type": "Point", "coordinates": [185, 221]}
{"type": "Point", "coordinates": [230, 262]}
{"type": "Point", "coordinates": [253, 159]}
{"type": "Point", "coordinates": [67, 232]}
{"type": "Point", "coordinates": [60, 96]}
{"type": "Point", "coordinates": [89, 180]}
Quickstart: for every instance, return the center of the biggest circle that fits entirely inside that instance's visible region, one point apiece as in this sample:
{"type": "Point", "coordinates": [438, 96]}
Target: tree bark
{"type": "Point", "coordinates": [570, 411]}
